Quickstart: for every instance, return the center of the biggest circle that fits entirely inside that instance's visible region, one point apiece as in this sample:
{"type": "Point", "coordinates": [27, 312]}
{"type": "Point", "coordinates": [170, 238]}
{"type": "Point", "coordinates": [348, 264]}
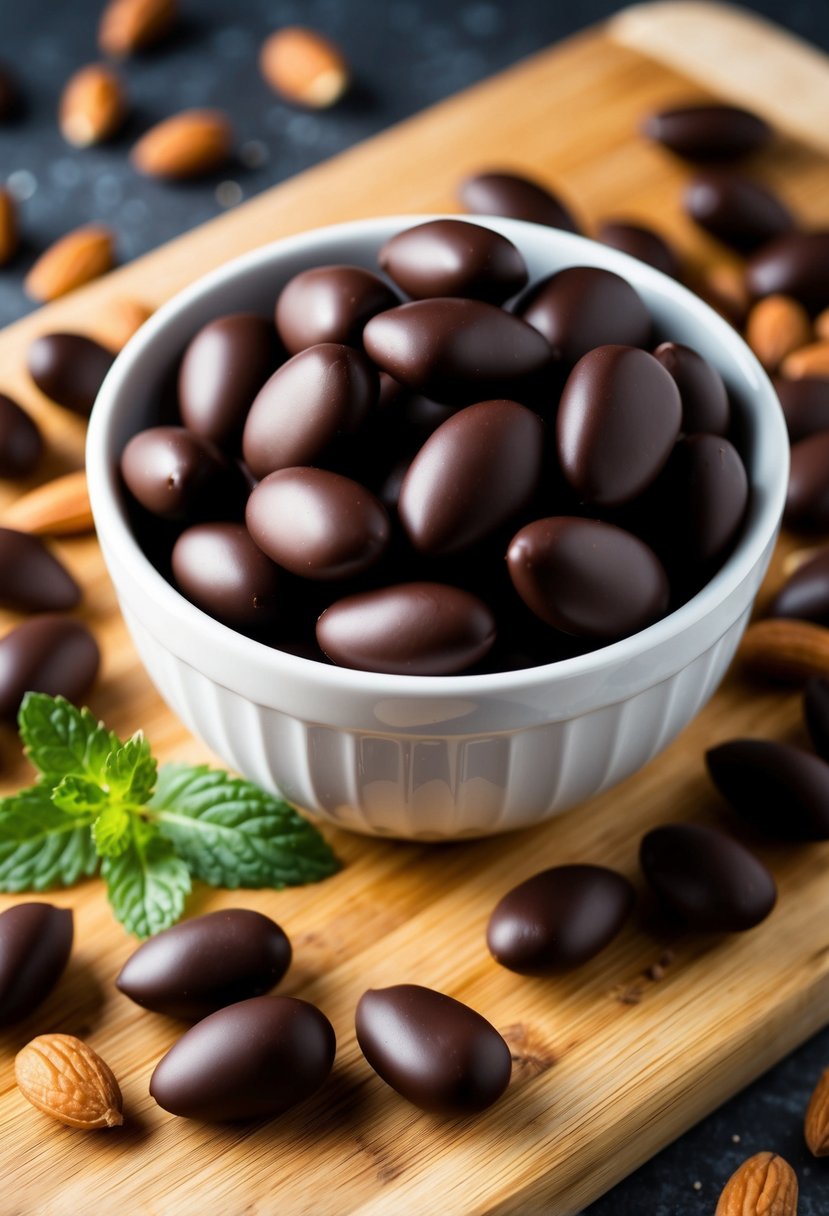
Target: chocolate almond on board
{"type": "Point", "coordinates": [222, 370]}
{"type": "Point", "coordinates": [21, 443]}
{"type": "Point", "coordinates": [35, 944]}
{"type": "Point", "coordinates": [805, 405]}
{"type": "Point", "coordinates": [618, 419]}
{"type": "Point", "coordinates": [776, 786]}
{"type": "Point", "coordinates": [736, 210]}
{"type": "Point", "coordinates": [50, 653]}
{"type": "Point", "coordinates": [435, 1051]}
{"type": "Point", "coordinates": [582, 307]}
{"type": "Point", "coordinates": [454, 258]}
{"type": "Point", "coordinates": [515, 196]}
{"type": "Point", "coordinates": [707, 879]}
{"type": "Point", "coordinates": [178, 475]}
{"type": "Point", "coordinates": [640, 242]}
{"type": "Point", "coordinates": [793, 265]}
{"type": "Point", "coordinates": [475, 472]}
{"type": "Point", "coordinates": [805, 594]}
{"type": "Point", "coordinates": [220, 569]}
{"type": "Point", "coordinates": [251, 1060]}
{"type": "Point", "coordinates": [705, 405]}
{"type": "Point", "coordinates": [69, 369]}
{"type": "Point", "coordinates": [32, 579]}
{"type": "Point", "coordinates": [807, 500]}
{"type": "Point", "coordinates": [200, 965]}
{"type": "Point", "coordinates": [708, 132]}
{"type": "Point", "coordinates": [559, 918]}
{"type": "Point", "coordinates": [330, 304]}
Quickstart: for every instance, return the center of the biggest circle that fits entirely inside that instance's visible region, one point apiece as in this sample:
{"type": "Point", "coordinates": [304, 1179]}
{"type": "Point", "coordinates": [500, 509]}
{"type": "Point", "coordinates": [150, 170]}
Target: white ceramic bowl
{"type": "Point", "coordinates": [430, 757]}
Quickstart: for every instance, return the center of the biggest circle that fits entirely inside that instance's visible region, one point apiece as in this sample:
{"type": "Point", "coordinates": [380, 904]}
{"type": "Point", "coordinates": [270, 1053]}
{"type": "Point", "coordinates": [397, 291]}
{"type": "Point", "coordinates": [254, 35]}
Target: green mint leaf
{"type": "Point", "coordinates": [233, 834]}
{"type": "Point", "coordinates": [130, 771]}
{"type": "Point", "coordinates": [63, 741]}
{"type": "Point", "coordinates": [111, 830]}
{"type": "Point", "coordinates": [146, 883]}
{"type": "Point", "coordinates": [42, 846]}
{"type": "Point", "coordinates": [76, 794]}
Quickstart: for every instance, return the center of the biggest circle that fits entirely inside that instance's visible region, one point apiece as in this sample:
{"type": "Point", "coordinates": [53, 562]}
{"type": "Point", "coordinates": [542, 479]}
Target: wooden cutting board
{"type": "Point", "coordinates": [610, 1063]}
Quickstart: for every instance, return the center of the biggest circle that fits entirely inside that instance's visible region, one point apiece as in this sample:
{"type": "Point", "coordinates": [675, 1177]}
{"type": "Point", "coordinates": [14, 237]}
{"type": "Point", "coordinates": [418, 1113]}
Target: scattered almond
{"type": "Point", "coordinates": [122, 319]}
{"type": "Point", "coordinates": [93, 106]}
{"type": "Point", "coordinates": [186, 145]}
{"type": "Point", "coordinates": [8, 227]}
{"type": "Point", "coordinates": [816, 1124]}
{"type": "Point", "coordinates": [798, 557]}
{"type": "Point", "coordinates": [812, 360]}
{"type": "Point", "coordinates": [775, 327]}
{"type": "Point", "coordinates": [66, 1079]}
{"type": "Point", "coordinates": [764, 1185]}
{"type": "Point", "coordinates": [723, 286]}
{"type": "Point", "coordinates": [786, 650]}
{"type": "Point", "coordinates": [75, 259]}
{"type": "Point", "coordinates": [304, 67]}
{"type": "Point", "coordinates": [57, 508]}
{"type": "Point", "coordinates": [822, 324]}
{"type": "Point", "coordinates": [131, 25]}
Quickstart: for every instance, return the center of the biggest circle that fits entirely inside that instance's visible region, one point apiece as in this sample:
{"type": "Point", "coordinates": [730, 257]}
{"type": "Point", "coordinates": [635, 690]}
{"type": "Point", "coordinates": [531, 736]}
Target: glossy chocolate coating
{"type": "Point", "coordinates": [220, 569]}
{"type": "Point", "coordinates": [781, 788]}
{"type": "Point", "coordinates": [35, 944]}
{"type": "Point", "coordinates": [642, 243]}
{"type": "Point", "coordinates": [21, 444]}
{"type": "Point", "coordinates": [805, 594]}
{"type": "Point", "coordinates": [203, 964]}
{"type": "Point", "coordinates": [454, 258]}
{"type": "Point", "coordinates": [69, 369]}
{"type": "Point", "coordinates": [456, 351]}
{"type": "Point", "coordinates": [475, 472]}
{"type": "Point", "coordinates": [558, 919]}
{"type": "Point", "coordinates": [418, 629]}
{"type": "Point", "coordinates": [736, 210]}
{"type": "Point", "coordinates": [31, 578]}
{"type": "Point", "coordinates": [706, 497]}
{"type": "Point", "coordinates": [807, 501]}
{"type": "Point", "coordinates": [50, 653]}
{"type": "Point", "coordinates": [518, 197]}
{"type": "Point", "coordinates": [178, 475]}
{"type": "Point", "coordinates": [250, 1060]}
{"type": "Point", "coordinates": [708, 880]}
{"type": "Point", "coordinates": [708, 132]}
{"type": "Point", "coordinates": [816, 713]}
{"type": "Point", "coordinates": [330, 304]}
{"type": "Point", "coordinates": [793, 265]}
{"type": "Point", "coordinates": [435, 1051]}
{"type": "Point", "coordinates": [705, 405]}
{"type": "Point", "coordinates": [805, 405]}
{"type": "Point", "coordinates": [316, 523]}
{"type": "Point", "coordinates": [617, 421]}
{"type": "Point", "coordinates": [223, 369]}
{"type": "Point", "coordinates": [323, 392]}
{"type": "Point", "coordinates": [587, 578]}
{"type": "Point", "coordinates": [582, 307]}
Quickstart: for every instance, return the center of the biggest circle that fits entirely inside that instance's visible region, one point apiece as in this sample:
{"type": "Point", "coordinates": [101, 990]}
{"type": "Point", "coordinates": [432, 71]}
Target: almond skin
{"type": "Point", "coordinates": [8, 227]}
{"type": "Point", "coordinates": [93, 106]}
{"type": "Point", "coordinates": [822, 324]}
{"type": "Point", "coordinates": [186, 145]}
{"type": "Point", "coordinates": [58, 508]}
{"type": "Point", "coordinates": [123, 318]}
{"type": "Point", "coordinates": [816, 1123]}
{"type": "Point", "coordinates": [764, 1185]}
{"type": "Point", "coordinates": [812, 360]}
{"type": "Point", "coordinates": [786, 650]}
{"type": "Point", "coordinates": [131, 25]}
{"type": "Point", "coordinates": [776, 326]}
{"type": "Point", "coordinates": [723, 286]}
{"type": "Point", "coordinates": [304, 67]}
{"type": "Point", "coordinates": [67, 1080]}
{"type": "Point", "coordinates": [75, 259]}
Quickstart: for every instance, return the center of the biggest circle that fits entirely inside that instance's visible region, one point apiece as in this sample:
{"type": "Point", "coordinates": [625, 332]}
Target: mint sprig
{"type": "Point", "coordinates": [102, 802]}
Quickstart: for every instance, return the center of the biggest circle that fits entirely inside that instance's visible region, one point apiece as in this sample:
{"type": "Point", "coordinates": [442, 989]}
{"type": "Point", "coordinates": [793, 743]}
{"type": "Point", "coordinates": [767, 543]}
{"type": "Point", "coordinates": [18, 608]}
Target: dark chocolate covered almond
{"type": "Point", "coordinates": [35, 944]}
{"type": "Point", "coordinates": [454, 258]}
{"type": "Point", "coordinates": [777, 786]}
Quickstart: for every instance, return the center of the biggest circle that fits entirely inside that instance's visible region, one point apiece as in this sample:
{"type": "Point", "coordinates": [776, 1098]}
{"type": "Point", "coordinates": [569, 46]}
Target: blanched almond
{"type": "Point", "coordinates": [75, 259]}
{"type": "Point", "coordinates": [186, 145]}
{"type": "Point", "coordinates": [304, 67]}
{"type": "Point", "coordinates": [92, 107]}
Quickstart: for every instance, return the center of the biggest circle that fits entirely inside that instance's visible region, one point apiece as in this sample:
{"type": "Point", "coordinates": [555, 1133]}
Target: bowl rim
{"type": "Point", "coordinates": [117, 537]}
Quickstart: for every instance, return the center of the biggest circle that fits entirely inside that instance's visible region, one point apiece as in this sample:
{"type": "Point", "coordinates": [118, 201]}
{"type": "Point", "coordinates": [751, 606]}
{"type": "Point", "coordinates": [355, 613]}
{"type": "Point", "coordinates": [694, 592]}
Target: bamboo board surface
{"type": "Point", "coordinates": [610, 1065]}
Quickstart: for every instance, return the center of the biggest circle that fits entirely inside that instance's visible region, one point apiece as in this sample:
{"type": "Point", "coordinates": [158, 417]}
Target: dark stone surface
{"type": "Point", "coordinates": [406, 54]}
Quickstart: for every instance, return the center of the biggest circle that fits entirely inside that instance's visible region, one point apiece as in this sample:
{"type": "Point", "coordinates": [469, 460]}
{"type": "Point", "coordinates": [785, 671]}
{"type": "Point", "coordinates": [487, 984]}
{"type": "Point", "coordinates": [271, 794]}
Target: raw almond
{"type": "Point", "coordinates": [775, 327]}
{"type": "Point", "coordinates": [93, 106]}
{"type": "Point", "coordinates": [304, 67]}
{"type": "Point", "coordinates": [786, 650]}
{"type": "Point", "coordinates": [723, 286]}
{"type": "Point", "coordinates": [816, 1124]}
{"type": "Point", "coordinates": [8, 227]}
{"type": "Point", "coordinates": [798, 557]}
{"type": "Point", "coordinates": [186, 145]}
{"type": "Point", "coordinates": [122, 319]}
{"type": "Point", "coordinates": [764, 1185]}
{"type": "Point", "coordinates": [812, 360]}
{"type": "Point", "coordinates": [75, 259]}
{"type": "Point", "coordinates": [822, 324]}
{"type": "Point", "coordinates": [130, 25]}
{"type": "Point", "coordinates": [58, 508]}
{"type": "Point", "coordinates": [66, 1079]}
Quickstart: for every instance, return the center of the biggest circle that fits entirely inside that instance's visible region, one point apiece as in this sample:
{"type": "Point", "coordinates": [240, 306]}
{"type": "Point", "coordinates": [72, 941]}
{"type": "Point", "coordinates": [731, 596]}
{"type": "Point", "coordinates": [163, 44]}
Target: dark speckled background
{"type": "Point", "coordinates": [406, 54]}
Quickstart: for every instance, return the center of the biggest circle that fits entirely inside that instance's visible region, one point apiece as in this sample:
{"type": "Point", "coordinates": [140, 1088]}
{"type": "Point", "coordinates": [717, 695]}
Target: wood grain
{"type": "Point", "coordinates": [610, 1063]}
